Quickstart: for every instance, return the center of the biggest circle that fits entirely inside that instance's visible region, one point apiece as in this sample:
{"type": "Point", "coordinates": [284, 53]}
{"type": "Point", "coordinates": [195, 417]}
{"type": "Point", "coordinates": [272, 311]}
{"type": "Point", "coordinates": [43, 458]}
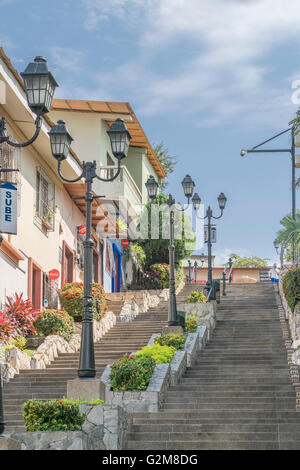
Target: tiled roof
{"type": "Point", "coordinates": [139, 138]}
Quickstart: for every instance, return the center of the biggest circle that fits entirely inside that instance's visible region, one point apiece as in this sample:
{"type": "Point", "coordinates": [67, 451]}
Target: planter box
{"type": "Point", "coordinates": [147, 400]}
{"type": "Point", "coordinates": [205, 314]}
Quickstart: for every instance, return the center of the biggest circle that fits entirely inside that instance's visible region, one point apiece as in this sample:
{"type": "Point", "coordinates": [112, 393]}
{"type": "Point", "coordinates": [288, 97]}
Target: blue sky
{"type": "Point", "coordinates": [205, 77]}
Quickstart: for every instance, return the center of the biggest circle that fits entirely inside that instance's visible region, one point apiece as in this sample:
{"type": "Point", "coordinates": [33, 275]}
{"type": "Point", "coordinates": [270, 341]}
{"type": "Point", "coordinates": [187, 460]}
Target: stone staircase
{"type": "Point", "coordinates": [51, 383]}
{"type": "Point", "coordinates": [239, 395]}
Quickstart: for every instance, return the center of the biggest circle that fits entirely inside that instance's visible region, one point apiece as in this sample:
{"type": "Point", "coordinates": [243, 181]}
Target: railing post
{"type": "Point", "coordinates": [224, 283]}
{"type": "Point", "coordinates": [230, 270]}
{"type": "Point", "coordinates": [195, 271]}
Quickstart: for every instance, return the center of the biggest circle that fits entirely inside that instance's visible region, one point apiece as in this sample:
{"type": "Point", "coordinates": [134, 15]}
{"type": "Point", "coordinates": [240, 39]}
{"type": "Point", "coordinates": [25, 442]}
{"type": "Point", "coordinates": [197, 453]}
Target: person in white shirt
{"type": "Point", "coordinates": [274, 273]}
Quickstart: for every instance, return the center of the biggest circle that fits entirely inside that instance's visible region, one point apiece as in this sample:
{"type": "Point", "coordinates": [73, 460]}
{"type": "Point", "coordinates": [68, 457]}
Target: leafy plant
{"type": "Point", "coordinates": [137, 254]}
{"type": "Point", "coordinates": [196, 297]}
{"type": "Point", "coordinates": [291, 287]}
{"type": "Point", "coordinates": [21, 314]}
{"type": "Point", "coordinates": [132, 372]}
{"type": "Point", "coordinates": [161, 274]}
{"type": "Point", "coordinates": [191, 324]}
{"type": "Point", "coordinates": [71, 298]}
{"type": "Point", "coordinates": [52, 415]}
{"type": "Point", "coordinates": [7, 329]}
{"type": "Point", "coordinates": [93, 401]}
{"type": "Point", "coordinates": [174, 340]}
{"type": "Point", "coordinates": [19, 342]}
{"type": "Point", "coordinates": [55, 322]}
{"type": "Point", "coordinates": [122, 225]}
{"type": "Point", "coordinates": [161, 354]}
{"type": "Point", "coordinates": [168, 161]}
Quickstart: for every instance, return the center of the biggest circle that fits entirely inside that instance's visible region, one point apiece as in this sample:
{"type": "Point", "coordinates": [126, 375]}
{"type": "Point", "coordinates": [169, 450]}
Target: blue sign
{"type": "Point", "coordinates": [8, 208]}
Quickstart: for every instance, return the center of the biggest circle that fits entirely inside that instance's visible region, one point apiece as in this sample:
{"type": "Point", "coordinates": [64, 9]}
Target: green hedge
{"type": "Point", "coordinates": [71, 299]}
{"type": "Point", "coordinates": [55, 322]}
{"type": "Point", "coordinates": [161, 354]}
{"type": "Point", "coordinates": [174, 340]}
{"type": "Point", "coordinates": [53, 415]}
{"type": "Point", "coordinates": [191, 324]}
{"type": "Point", "coordinates": [196, 297]}
{"type": "Point", "coordinates": [162, 273]}
{"type": "Point", "coordinates": [291, 287]}
{"type": "Point", "coordinates": [131, 372]}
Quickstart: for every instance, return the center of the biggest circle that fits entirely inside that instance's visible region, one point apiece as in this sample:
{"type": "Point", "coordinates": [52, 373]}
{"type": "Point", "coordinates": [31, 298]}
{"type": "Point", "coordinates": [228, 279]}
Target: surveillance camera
{"type": "Point", "coordinates": [243, 153]}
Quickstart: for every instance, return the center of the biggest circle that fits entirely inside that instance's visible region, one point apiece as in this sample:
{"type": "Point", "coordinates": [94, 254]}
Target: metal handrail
{"type": "Point", "coordinates": [223, 278]}
{"type": "Point", "coordinates": [209, 293]}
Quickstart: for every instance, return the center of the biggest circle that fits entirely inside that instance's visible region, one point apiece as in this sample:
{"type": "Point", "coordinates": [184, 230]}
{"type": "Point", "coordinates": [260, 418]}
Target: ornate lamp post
{"type": "Point", "coordinates": [209, 215]}
{"type": "Point", "coordinates": [60, 141]}
{"type": "Point", "coordinates": [39, 85]}
{"type": "Point", "coordinates": [188, 188]}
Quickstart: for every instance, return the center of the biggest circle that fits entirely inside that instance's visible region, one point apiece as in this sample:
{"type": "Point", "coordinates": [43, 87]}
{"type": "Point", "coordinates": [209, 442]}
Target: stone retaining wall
{"type": "Point", "coordinates": [52, 345]}
{"type": "Point", "coordinates": [140, 301]}
{"type": "Point", "coordinates": [105, 428]}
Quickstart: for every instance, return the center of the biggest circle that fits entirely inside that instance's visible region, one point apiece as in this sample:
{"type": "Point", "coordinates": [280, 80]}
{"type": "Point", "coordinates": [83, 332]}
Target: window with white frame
{"type": "Point", "coordinates": [45, 199]}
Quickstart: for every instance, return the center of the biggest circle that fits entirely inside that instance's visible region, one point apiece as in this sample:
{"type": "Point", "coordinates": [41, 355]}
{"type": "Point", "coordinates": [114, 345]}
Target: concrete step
{"type": "Point", "coordinates": [203, 445]}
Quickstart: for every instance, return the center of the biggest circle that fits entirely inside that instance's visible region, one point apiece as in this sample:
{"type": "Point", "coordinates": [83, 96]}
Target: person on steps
{"type": "Point", "coordinates": [274, 273]}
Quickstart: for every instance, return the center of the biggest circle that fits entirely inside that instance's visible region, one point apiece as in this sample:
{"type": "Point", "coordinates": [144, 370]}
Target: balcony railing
{"type": "Point", "coordinates": [123, 186]}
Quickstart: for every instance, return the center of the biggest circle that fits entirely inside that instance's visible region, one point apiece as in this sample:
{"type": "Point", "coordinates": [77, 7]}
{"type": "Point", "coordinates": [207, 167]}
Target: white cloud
{"type": "Point", "coordinates": [67, 59]}
{"type": "Point", "coordinates": [224, 76]}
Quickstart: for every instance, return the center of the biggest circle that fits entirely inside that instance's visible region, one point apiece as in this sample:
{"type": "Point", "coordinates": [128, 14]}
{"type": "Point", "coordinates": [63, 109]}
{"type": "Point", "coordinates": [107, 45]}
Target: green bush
{"type": "Point", "coordinates": [71, 299]}
{"type": "Point", "coordinates": [53, 415]}
{"type": "Point", "coordinates": [162, 273]}
{"type": "Point", "coordinates": [196, 297]}
{"type": "Point", "coordinates": [161, 354]}
{"type": "Point", "coordinates": [131, 372]}
{"type": "Point", "coordinates": [291, 287]}
{"type": "Point", "coordinates": [174, 340]}
{"type": "Point", "coordinates": [191, 324]}
{"type": "Point", "coordinates": [19, 342]}
{"type": "Point", "coordinates": [55, 322]}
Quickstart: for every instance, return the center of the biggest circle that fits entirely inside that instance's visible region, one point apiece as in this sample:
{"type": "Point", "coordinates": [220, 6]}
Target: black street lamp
{"type": "Point", "coordinates": [209, 215]}
{"type": "Point", "coordinates": [291, 151]}
{"type": "Point", "coordinates": [188, 188]}
{"type": "Point", "coordinates": [60, 141]}
{"type": "Point", "coordinates": [202, 259]}
{"type": "Point", "coordinates": [39, 85]}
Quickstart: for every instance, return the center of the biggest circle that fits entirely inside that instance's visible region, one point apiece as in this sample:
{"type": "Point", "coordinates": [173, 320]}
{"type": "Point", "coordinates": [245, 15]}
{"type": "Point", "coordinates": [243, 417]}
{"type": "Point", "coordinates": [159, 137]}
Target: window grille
{"type": "Point", "coordinates": [45, 199]}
